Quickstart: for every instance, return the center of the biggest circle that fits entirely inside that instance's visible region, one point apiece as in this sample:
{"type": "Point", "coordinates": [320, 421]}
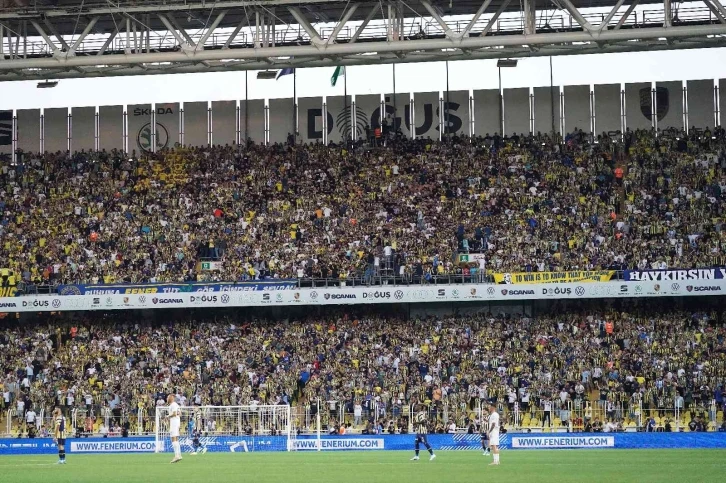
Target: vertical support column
{"type": "Point", "coordinates": [592, 114]}
{"type": "Point", "coordinates": [715, 105]}
{"type": "Point", "coordinates": [42, 132]}
{"type": "Point", "coordinates": [529, 10]}
{"type": "Point", "coordinates": [653, 109]}
{"type": "Point", "coordinates": [15, 136]}
{"type": "Point", "coordinates": [531, 112]}
{"type": "Point", "coordinates": [69, 132]}
{"type": "Point", "coordinates": [623, 111]}
{"type": "Point", "coordinates": [181, 125]}
{"type": "Point", "coordinates": [96, 129]}
{"type": "Point", "coordinates": [562, 112]}
{"type": "Point", "coordinates": [152, 127]}
{"type": "Point", "coordinates": [667, 13]}
{"type": "Point", "coordinates": [237, 124]}
{"type": "Point", "coordinates": [210, 133]}
{"type": "Point", "coordinates": [125, 131]}
{"type": "Point", "coordinates": [325, 120]}
{"type": "Point", "coordinates": [471, 115]}
{"type": "Point", "coordinates": [717, 97]}
{"type": "Point", "coordinates": [267, 122]}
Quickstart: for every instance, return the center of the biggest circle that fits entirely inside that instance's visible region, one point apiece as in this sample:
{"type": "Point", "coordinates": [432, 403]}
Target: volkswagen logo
{"type": "Point", "coordinates": [398, 294]}
{"type": "Point", "coordinates": [56, 303]}
{"type": "Point", "coordinates": [313, 295]}
{"type": "Point", "coordinates": [225, 298]}
{"type": "Point", "coordinates": [675, 287]}
{"type": "Point", "coordinates": [490, 290]}
{"type": "Point", "coordinates": [142, 299]}
{"type": "Point", "coordinates": [580, 291]}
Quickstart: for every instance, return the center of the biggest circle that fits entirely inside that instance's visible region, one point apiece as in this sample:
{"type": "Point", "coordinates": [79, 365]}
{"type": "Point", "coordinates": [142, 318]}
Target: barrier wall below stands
{"type": "Point", "coordinates": [445, 442]}
{"type": "Point", "coordinates": [281, 294]}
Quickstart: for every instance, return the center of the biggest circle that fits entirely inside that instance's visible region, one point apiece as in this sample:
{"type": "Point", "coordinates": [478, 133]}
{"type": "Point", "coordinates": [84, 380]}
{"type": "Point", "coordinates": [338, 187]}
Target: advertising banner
{"type": "Point", "coordinates": [391, 442]}
{"type": "Point", "coordinates": [257, 294]}
{"type": "Point", "coordinates": [675, 274]}
{"type": "Point", "coordinates": [83, 128]}
{"type": "Point", "coordinates": [554, 277]}
{"type": "Point", "coordinates": [175, 287]}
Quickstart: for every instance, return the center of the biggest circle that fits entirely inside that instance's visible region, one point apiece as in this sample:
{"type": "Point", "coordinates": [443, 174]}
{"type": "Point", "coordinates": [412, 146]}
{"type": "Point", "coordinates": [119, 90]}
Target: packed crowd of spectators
{"type": "Point", "coordinates": [373, 364]}
{"type": "Point", "coordinates": [529, 203]}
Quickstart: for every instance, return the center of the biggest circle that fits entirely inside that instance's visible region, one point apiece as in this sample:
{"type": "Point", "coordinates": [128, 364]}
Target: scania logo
{"type": "Point", "coordinates": [155, 300]}
{"type": "Point", "coordinates": [314, 295]}
{"type": "Point", "coordinates": [8, 304]}
{"type": "Point", "coordinates": [675, 287]}
{"type": "Point", "coordinates": [710, 288]}
{"type": "Point", "coordinates": [225, 298]}
{"type": "Point", "coordinates": [337, 296]}
{"type": "Point", "coordinates": [504, 291]}
{"type": "Point", "coordinates": [398, 294]}
{"type": "Point", "coordinates": [689, 288]}
{"type": "Point", "coordinates": [56, 303]}
{"type": "Point", "coordinates": [579, 291]}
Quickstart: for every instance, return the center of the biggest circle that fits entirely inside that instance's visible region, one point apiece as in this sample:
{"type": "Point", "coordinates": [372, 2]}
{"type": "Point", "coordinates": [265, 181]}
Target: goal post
{"type": "Point", "coordinates": [229, 429]}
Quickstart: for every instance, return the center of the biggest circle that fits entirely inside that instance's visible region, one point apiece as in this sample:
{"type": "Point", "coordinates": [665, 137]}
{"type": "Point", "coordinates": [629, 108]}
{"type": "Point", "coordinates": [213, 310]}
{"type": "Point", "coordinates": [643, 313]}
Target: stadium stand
{"type": "Point", "coordinates": [565, 369]}
{"type": "Point", "coordinates": [338, 212]}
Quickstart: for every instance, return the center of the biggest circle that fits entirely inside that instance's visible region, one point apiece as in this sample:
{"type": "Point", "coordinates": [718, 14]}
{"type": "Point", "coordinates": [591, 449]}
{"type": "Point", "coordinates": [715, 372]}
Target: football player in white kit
{"type": "Point", "coordinates": [494, 433]}
{"type": "Point", "coordinates": [174, 418]}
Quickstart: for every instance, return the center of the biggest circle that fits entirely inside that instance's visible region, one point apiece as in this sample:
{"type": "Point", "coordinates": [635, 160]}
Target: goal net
{"type": "Point", "coordinates": [228, 429]}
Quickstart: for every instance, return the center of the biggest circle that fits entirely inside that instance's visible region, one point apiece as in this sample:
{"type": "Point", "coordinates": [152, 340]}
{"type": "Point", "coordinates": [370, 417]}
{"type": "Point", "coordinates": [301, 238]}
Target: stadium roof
{"type": "Point", "coordinates": [81, 38]}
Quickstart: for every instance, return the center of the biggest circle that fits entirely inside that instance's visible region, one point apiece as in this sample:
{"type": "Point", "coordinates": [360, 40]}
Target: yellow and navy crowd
{"type": "Point", "coordinates": [529, 203]}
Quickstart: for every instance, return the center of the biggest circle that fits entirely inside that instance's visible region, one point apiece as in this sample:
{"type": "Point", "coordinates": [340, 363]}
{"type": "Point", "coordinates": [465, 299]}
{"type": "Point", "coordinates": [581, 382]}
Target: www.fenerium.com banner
{"type": "Point", "coordinates": [445, 442]}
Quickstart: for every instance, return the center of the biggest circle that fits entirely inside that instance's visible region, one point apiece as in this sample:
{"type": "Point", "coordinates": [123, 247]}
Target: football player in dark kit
{"type": "Point", "coordinates": [421, 428]}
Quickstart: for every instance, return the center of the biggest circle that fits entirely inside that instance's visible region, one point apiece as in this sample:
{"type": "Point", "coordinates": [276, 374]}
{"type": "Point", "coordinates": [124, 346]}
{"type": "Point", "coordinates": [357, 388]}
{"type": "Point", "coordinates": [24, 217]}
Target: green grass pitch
{"type": "Point", "coordinates": [558, 466]}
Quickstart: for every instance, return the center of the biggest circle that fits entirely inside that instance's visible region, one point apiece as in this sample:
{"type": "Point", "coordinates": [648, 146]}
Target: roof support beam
{"type": "Point", "coordinates": [572, 10]}
{"type": "Point", "coordinates": [83, 35]}
{"type": "Point", "coordinates": [441, 46]}
{"type": "Point", "coordinates": [307, 26]}
{"type": "Point", "coordinates": [365, 23]}
{"type": "Point", "coordinates": [234, 34]}
{"type": "Point", "coordinates": [349, 13]}
{"type": "Point", "coordinates": [108, 41]}
{"type": "Point", "coordinates": [170, 28]}
{"type": "Point", "coordinates": [717, 9]}
{"type": "Point", "coordinates": [55, 33]}
{"type": "Point", "coordinates": [608, 19]}
{"type": "Point", "coordinates": [494, 19]}
{"type": "Point", "coordinates": [475, 18]}
{"type": "Point", "coordinates": [47, 39]}
{"type": "Point", "coordinates": [431, 10]}
{"type": "Point", "coordinates": [627, 13]}
{"type": "Point", "coordinates": [211, 29]}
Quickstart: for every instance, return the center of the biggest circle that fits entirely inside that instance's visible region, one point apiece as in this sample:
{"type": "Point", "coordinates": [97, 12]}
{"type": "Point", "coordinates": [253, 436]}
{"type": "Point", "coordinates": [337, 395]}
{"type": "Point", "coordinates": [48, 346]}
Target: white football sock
{"type": "Point", "coordinates": [177, 449]}
{"type": "Point", "coordinates": [496, 458]}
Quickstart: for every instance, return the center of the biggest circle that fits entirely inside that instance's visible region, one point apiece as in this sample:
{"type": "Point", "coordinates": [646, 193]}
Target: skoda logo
{"type": "Point", "coordinates": [225, 298]}
{"type": "Point", "coordinates": [580, 291]}
{"type": "Point", "coordinates": [398, 294]}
